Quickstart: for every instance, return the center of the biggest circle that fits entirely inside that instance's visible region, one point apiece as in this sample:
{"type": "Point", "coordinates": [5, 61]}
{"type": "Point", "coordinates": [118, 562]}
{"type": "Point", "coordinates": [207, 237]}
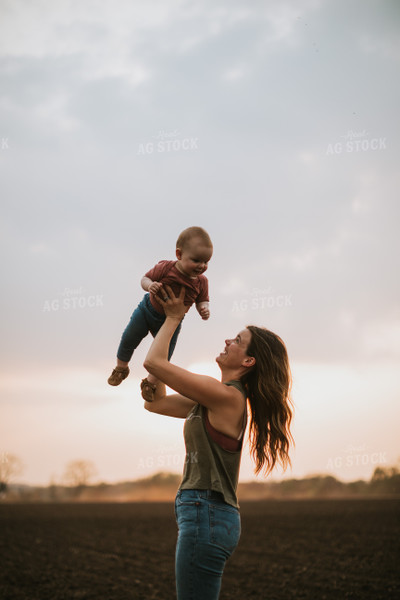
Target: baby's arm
{"type": "Point", "coordinates": [203, 308]}
{"type": "Point", "coordinates": [150, 286]}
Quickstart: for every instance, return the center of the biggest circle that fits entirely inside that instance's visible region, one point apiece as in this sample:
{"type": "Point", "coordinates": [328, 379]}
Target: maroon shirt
{"type": "Point", "coordinates": [196, 290]}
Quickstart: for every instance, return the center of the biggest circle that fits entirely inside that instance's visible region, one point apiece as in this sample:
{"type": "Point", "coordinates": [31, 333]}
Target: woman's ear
{"type": "Point", "coordinates": [249, 361]}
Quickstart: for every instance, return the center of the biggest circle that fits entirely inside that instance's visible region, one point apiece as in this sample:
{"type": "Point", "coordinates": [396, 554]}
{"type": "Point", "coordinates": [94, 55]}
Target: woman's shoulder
{"type": "Point", "coordinates": [236, 383]}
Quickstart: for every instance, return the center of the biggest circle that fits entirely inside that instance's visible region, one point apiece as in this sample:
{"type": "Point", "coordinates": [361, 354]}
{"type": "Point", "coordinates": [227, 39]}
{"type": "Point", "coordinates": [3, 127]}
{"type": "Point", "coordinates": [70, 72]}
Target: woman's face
{"type": "Point", "coordinates": [235, 351]}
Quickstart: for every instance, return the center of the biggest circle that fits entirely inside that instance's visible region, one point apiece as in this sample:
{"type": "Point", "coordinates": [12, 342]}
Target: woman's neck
{"type": "Point", "coordinates": [230, 375]}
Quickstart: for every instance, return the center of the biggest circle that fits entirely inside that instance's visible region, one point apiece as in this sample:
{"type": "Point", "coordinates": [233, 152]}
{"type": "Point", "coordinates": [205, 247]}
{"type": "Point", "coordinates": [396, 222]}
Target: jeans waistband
{"type": "Point", "coordinates": [206, 494]}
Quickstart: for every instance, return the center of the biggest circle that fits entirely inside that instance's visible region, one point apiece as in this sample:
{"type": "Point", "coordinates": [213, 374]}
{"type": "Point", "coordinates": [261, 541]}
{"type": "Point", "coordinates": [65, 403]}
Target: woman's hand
{"type": "Point", "coordinates": [173, 305]}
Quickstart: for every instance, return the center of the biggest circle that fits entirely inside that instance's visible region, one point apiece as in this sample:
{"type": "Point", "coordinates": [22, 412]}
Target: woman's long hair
{"type": "Point", "coordinates": [268, 386]}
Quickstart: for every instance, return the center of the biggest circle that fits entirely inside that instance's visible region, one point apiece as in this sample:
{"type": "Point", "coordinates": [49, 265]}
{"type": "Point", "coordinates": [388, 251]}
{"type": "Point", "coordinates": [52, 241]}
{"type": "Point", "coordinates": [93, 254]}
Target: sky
{"type": "Point", "coordinates": [273, 125]}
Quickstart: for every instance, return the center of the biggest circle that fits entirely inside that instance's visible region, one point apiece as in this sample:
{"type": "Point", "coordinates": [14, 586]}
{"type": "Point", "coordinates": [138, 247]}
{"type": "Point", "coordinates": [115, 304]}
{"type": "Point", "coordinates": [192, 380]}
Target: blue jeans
{"type": "Point", "coordinates": [144, 319]}
{"type": "Point", "coordinates": [209, 531]}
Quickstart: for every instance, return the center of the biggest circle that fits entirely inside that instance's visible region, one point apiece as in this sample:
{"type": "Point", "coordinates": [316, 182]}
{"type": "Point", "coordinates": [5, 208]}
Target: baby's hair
{"type": "Point", "coordinates": [193, 232]}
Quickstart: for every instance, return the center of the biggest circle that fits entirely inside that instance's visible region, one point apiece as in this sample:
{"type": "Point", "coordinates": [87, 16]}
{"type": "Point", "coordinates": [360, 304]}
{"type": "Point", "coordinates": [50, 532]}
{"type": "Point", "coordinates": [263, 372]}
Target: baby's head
{"type": "Point", "coordinates": [193, 251]}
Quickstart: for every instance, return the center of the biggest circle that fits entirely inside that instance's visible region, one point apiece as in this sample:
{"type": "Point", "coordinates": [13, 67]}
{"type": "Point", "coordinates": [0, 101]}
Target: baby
{"type": "Point", "coordinates": [193, 252]}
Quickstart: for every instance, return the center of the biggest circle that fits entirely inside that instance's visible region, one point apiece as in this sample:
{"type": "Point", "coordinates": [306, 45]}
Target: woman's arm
{"type": "Point", "coordinates": [173, 405]}
{"type": "Point", "coordinates": [198, 388]}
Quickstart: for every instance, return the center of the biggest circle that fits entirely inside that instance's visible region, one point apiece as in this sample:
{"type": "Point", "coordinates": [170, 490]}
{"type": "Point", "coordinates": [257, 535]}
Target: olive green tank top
{"type": "Point", "coordinates": [208, 466]}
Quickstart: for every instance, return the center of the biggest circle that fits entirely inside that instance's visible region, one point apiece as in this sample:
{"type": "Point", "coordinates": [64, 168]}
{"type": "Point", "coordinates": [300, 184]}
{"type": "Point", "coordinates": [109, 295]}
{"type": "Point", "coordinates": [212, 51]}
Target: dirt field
{"type": "Point", "coordinates": [312, 550]}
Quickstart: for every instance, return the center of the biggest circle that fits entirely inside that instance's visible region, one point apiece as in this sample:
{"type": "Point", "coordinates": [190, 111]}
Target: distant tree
{"type": "Point", "coordinates": [78, 473]}
{"type": "Point", "coordinates": [10, 466]}
{"type": "Point", "coordinates": [379, 474]}
{"type": "Point", "coordinates": [385, 480]}
{"type": "Point", "coordinates": [382, 473]}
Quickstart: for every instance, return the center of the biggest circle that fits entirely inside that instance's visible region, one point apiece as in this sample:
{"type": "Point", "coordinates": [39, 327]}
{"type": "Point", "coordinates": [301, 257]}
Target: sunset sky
{"type": "Point", "coordinates": [273, 125]}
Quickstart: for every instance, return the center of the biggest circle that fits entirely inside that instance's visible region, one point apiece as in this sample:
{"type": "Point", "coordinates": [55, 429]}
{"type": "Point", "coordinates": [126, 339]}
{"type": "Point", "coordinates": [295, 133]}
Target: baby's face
{"type": "Point", "coordinates": [194, 257]}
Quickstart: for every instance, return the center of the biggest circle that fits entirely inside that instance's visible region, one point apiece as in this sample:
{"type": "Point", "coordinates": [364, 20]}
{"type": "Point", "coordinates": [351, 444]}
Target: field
{"type": "Point", "coordinates": [311, 550]}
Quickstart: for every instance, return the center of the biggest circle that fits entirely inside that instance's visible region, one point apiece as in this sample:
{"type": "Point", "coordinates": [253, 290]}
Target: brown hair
{"type": "Point", "coordinates": [193, 232]}
{"type": "Point", "coordinates": [268, 386]}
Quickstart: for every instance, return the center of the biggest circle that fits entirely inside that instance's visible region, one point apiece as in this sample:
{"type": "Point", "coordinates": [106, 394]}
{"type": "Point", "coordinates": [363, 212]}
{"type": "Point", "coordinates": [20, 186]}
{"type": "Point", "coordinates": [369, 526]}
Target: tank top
{"type": "Point", "coordinates": [208, 466]}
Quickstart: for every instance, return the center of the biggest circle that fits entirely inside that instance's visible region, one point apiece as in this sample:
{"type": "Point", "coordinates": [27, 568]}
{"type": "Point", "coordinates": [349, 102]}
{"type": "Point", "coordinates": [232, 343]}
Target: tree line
{"type": "Point", "coordinates": [78, 474]}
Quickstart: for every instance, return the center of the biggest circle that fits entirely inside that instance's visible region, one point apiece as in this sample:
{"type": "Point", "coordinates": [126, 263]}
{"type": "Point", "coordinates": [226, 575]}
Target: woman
{"type": "Point", "coordinates": [254, 367]}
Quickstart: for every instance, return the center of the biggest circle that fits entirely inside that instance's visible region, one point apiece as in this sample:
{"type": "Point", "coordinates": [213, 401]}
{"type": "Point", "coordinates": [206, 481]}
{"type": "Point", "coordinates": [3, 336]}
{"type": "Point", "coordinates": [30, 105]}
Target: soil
{"type": "Point", "coordinates": [303, 549]}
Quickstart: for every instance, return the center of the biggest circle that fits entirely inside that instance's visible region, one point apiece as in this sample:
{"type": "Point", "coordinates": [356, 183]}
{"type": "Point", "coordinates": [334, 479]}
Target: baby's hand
{"type": "Point", "coordinates": [155, 287]}
{"type": "Point", "coordinates": [204, 312]}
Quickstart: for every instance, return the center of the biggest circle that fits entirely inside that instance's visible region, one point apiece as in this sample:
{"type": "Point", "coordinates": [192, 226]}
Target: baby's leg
{"type": "Point", "coordinates": [134, 333]}
{"type": "Point", "coordinates": [121, 363]}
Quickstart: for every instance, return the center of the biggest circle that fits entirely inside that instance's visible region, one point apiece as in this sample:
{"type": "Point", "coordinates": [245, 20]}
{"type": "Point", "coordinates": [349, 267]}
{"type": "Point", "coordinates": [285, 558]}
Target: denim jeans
{"type": "Point", "coordinates": [209, 531]}
{"type": "Point", "coordinates": [144, 319]}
